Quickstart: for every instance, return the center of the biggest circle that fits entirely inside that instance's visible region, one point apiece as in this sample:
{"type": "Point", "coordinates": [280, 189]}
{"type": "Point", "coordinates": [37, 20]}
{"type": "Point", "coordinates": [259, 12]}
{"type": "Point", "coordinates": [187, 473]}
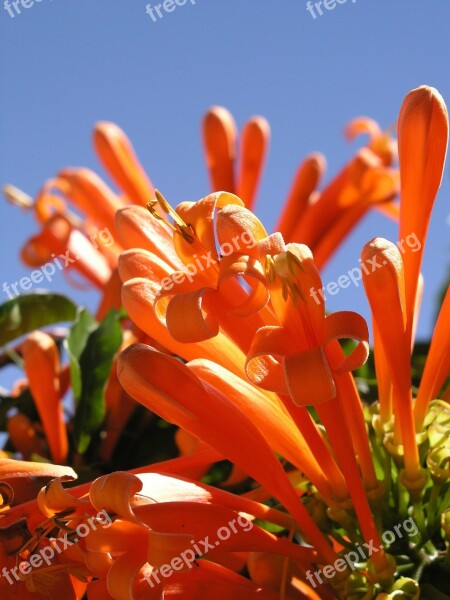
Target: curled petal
{"type": "Point", "coordinates": [264, 360]}
{"type": "Point", "coordinates": [238, 227]}
{"type": "Point", "coordinates": [361, 126]}
{"type": "Point", "coordinates": [138, 296]}
{"type": "Point", "coordinates": [188, 321]}
{"type": "Point", "coordinates": [238, 265]}
{"type": "Point", "coordinates": [200, 216]}
{"type": "Point", "coordinates": [114, 493]}
{"type": "Point", "coordinates": [53, 498]}
{"type": "Point", "coordinates": [348, 325]}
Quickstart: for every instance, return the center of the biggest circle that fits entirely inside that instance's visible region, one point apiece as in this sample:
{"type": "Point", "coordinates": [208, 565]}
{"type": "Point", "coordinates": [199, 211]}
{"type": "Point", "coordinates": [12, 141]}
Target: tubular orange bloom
{"type": "Point", "coordinates": [69, 248]}
{"type": "Point", "coordinates": [219, 138]}
{"type": "Point", "coordinates": [437, 366]}
{"type": "Point", "coordinates": [385, 289]}
{"type": "Point", "coordinates": [292, 358]}
{"type": "Point", "coordinates": [181, 398]}
{"type": "Point", "coordinates": [247, 364]}
{"type": "Point", "coordinates": [422, 141]}
{"type": "Point", "coordinates": [41, 364]}
{"type": "Point", "coordinates": [117, 155]}
{"type": "Point", "coordinates": [307, 178]}
{"type": "Point", "coordinates": [323, 219]}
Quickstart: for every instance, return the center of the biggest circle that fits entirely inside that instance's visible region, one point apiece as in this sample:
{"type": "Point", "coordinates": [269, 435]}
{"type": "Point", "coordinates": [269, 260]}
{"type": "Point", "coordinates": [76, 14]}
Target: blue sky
{"type": "Point", "coordinates": [66, 64]}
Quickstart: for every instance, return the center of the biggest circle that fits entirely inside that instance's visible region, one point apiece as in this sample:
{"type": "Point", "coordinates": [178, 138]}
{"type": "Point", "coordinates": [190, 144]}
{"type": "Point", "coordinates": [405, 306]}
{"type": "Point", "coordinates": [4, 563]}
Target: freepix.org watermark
{"type": "Point", "coordinates": [360, 554]}
{"type": "Point", "coordinates": [354, 276]}
{"type": "Point", "coordinates": [315, 8]}
{"type": "Point", "coordinates": [59, 263]}
{"type": "Point", "coordinates": [188, 557]}
{"type": "Point", "coordinates": [16, 5]}
{"type": "Point", "coordinates": [201, 263]}
{"type": "Point", "coordinates": [57, 545]}
{"type": "Point", "coordinates": [168, 6]}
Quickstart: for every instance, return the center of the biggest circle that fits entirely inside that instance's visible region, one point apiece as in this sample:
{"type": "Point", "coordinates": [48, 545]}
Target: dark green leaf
{"type": "Point", "coordinates": [95, 364]}
{"type": "Point", "coordinates": [33, 311]}
{"type": "Point", "coordinates": [76, 342]}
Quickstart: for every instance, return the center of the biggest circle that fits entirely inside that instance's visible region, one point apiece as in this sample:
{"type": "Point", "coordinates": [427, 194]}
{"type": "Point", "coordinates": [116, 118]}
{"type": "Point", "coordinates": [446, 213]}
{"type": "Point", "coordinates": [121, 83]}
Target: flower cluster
{"type": "Point", "coordinates": [251, 369]}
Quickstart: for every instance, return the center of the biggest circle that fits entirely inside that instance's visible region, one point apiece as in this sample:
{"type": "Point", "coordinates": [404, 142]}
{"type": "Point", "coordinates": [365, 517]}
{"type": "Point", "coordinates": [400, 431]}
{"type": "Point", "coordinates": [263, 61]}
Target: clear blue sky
{"type": "Point", "coordinates": [67, 63]}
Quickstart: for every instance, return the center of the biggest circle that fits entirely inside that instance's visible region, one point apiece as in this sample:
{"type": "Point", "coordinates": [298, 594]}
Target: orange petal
{"type": "Point", "coordinates": [54, 498]}
{"type": "Point", "coordinates": [306, 180]}
{"type": "Point", "coordinates": [200, 217]}
{"type": "Point", "coordinates": [308, 377]}
{"type": "Point", "coordinates": [253, 148]}
{"type": "Point", "coordinates": [202, 521]}
{"type": "Point", "coordinates": [361, 126]}
{"type": "Point", "coordinates": [187, 320]}
{"type": "Point", "coordinates": [136, 228]}
{"type": "Point", "coordinates": [250, 269]}
{"type": "Point", "coordinates": [237, 223]}
{"type": "Point", "coordinates": [210, 580]}
{"type": "Point", "coordinates": [91, 195]}
{"type": "Point", "coordinates": [138, 262]}
{"type": "Point", "coordinates": [117, 155]}
{"type": "Point", "coordinates": [219, 139]}
{"type": "Point", "coordinates": [348, 325]}
{"type": "Point", "coordinates": [24, 436]}
{"type": "Point", "coordinates": [422, 143]}
{"type": "Point", "coordinates": [384, 287]}
{"type": "Point", "coordinates": [437, 366]}
{"type": "Point", "coordinates": [181, 398]}
{"type": "Point", "coordinates": [12, 469]}
{"type": "Point", "coordinates": [114, 492]}
{"type": "Point", "coordinates": [58, 244]}
{"type": "Point", "coordinates": [41, 364]}
{"type": "Point", "coordinates": [138, 297]}
{"type": "Point", "coordinates": [268, 414]}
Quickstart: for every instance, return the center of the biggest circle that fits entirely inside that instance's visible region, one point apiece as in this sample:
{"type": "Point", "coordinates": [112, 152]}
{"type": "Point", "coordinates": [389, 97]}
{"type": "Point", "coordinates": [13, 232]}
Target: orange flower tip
{"type": "Point", "coordinates": [261, 124]}
{"type": "Point", "coordinates": [107, 128]}
{"type": "Point", "coordinates": [380, 252]}
{"type": "Point", "coordinates": [361, 125]}
{"type": "Point", "coordinates": [16, 196]}
{"type": "Point", "coordinates": [179, 225]}
{"type": "Point", "coordinates": [422, 107]}
{"type": "Point", "coordinates": [317, 161]}
{"type": "Point", "coordinates": [219, 116]}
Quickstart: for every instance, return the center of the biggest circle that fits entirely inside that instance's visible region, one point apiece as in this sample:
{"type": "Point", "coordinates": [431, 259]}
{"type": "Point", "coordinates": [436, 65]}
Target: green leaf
{"type": "Point", "coordinates": [95, 364]}
{"type": "Point", "coordinates": [75, 343]}
{"type": "Point", "coordinates": [33, 311]}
